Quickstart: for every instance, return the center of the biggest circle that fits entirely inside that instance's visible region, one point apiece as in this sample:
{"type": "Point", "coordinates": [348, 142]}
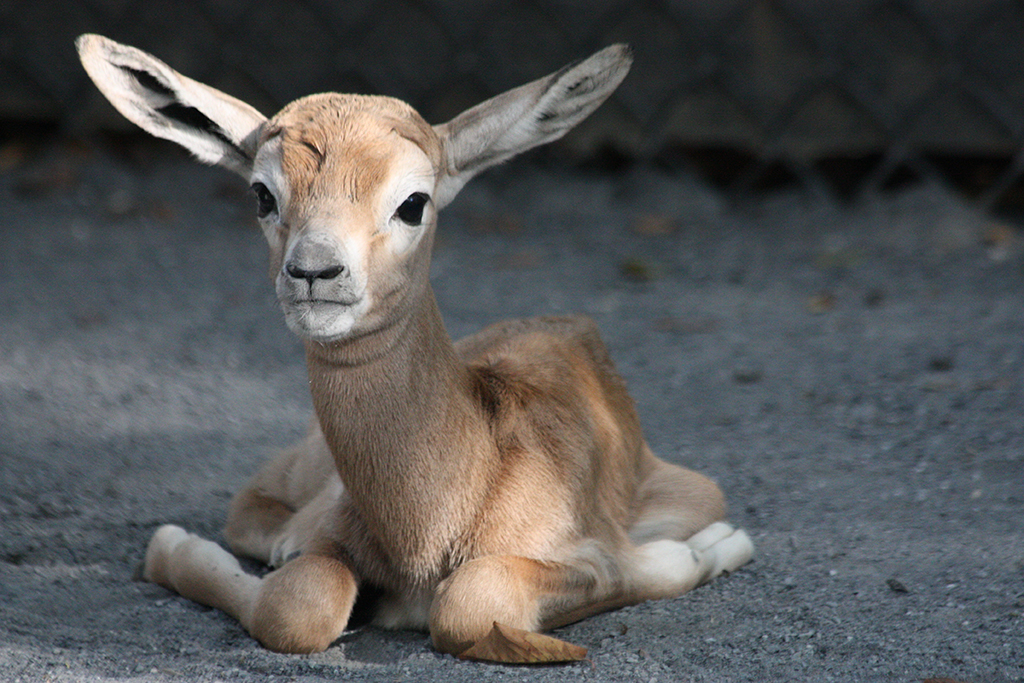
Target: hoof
{"type": "Point", "coordinates": [158, 554]}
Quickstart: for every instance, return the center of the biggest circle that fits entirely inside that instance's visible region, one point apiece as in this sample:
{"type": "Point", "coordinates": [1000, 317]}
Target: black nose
{"type": "Point", "coordinates": [310, 275]}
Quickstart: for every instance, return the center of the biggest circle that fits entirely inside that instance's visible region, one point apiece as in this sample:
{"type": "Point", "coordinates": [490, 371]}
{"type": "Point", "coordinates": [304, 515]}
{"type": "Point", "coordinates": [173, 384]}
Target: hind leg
{"type": "Point", "coordinates": [675, 503]}
{"type": "Point", "coordinates": [522, 593]}
{"type": "Point", "coordinates": [277, 512]}
{"type": "Point", "coordinates": [680, 505]}
{"type": "Point", "coordinates": [534, 595]}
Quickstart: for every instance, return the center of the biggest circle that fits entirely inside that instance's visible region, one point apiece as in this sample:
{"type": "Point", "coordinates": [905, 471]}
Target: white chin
{"type": "Point", "coordinates": [322, 322]}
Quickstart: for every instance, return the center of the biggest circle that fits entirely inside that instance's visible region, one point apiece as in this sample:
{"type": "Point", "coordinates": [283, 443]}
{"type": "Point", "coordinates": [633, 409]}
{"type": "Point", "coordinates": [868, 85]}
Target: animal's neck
{"type": "Point", "coordinates": [409, 439]}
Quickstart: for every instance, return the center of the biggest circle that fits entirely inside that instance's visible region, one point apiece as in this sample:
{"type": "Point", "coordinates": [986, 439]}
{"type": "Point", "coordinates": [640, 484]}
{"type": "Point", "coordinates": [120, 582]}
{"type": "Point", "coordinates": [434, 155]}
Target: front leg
{"type": "Point", "coordinates": [503, 589]}
{"type": "Point", "coordinates": [301, 608]}
{"type": "Point", "coordinates": [298, 533]}
{"type": "Point", "coordinates": [521, 593]}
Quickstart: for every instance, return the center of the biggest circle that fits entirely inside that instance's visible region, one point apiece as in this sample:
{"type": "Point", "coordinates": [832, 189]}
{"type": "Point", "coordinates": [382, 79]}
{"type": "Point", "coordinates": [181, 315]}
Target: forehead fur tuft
{"type": "Point", "coordinates": [330, 133]}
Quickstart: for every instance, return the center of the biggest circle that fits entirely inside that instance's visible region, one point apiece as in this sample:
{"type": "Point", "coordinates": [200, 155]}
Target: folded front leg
{"type": "Point", "coordinates": [301, 608]}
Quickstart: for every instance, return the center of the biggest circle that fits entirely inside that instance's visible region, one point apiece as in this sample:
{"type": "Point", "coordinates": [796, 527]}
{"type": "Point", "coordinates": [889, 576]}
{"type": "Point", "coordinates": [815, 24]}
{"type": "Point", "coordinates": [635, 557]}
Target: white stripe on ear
{"type": "Point", "coordinates": [216, 128]}
{"type": "Point", "coordinates": [527, 116]}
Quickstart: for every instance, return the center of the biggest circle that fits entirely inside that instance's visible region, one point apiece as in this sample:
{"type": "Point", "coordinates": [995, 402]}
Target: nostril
{"type": "Point", "coordinates": [310, 275]}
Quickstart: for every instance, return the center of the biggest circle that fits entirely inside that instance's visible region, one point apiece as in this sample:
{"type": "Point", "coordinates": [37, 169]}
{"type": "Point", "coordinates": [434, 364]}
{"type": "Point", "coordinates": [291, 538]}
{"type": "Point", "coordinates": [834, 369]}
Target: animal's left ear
{"type": "Point", "coordinates": [530, 115]}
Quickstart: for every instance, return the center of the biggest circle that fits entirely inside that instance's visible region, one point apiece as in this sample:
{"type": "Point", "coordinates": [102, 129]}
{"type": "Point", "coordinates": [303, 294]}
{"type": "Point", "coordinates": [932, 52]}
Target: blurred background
{"type": "Point", "coordinates": [843, 98]}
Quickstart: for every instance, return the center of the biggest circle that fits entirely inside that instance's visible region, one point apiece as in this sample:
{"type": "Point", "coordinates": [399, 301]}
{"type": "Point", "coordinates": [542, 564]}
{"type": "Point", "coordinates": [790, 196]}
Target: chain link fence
{"type": "Point", "coordinates": [845, 97]}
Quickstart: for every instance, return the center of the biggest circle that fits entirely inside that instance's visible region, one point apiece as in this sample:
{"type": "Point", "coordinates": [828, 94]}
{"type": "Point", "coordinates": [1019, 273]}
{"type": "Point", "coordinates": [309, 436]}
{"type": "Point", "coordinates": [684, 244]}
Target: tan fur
{"type": "Point", "coordinates": [503, 478]}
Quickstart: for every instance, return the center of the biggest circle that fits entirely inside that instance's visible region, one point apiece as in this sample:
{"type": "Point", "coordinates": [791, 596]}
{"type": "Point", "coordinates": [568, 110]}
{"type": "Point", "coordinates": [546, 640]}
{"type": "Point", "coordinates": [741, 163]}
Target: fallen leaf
{"type": "Point", "coordinates": [896, 586]}
{"type": "Point", "coordinates": [90, 319]}
{"type": "Point", "coordinates": [874, 298]}
{"type": "Point", "coordinates": [996, 234]}
{"type": "Point", "coordinates": [821, 303]}
{"type": "Point", "coordinates": [51, 177]}
{"type": "Point", "coordinates": [163, 211]}
{"type": "Point", "coordinates": [638, 270]}
{"type": "Point", "coordinates": [654, 225]}
{"type": "Point", "coordinates": [12, 155]}
{"type": "Point", "coordinates": [507, 645]}
{"type": "Point", "coordinates": [747, 375]}
{"type": "Point", "coordinates": [1000, 239]}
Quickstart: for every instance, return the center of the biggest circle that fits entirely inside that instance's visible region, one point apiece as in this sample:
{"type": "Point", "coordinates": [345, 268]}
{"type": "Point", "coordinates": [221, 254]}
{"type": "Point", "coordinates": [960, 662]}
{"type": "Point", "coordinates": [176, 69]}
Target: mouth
{"type": "Point", "coordinates": [323, 320]}
{"type": "Point", "coordinates": [305, 303]}
{"type": "Point", "coordinates": [313, 303]}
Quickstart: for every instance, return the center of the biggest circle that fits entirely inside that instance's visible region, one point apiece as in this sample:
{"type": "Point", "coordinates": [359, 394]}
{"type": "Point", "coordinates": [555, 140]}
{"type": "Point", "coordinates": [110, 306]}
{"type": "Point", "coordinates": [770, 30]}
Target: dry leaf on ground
{"type": "Point", "coordinates": [12, 155]}
{"type": "Point", "coordinates": [654, 225]}
{"type": "Point", "coordinates": [639, 270]}
{"type": "Point", "coordinates": [821, 303]}
{"type": "Point", "coordinates": [507, 645]}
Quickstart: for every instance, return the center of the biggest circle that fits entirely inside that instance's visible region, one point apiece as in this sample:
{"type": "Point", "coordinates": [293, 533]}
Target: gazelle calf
{"type": "Point", "coordinates": [503, 478]}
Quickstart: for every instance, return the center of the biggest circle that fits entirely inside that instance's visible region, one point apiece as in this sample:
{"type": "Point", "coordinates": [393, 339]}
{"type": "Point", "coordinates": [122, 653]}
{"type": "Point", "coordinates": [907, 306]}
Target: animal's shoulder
{"type": "Point", "coordinates": [545, 362]}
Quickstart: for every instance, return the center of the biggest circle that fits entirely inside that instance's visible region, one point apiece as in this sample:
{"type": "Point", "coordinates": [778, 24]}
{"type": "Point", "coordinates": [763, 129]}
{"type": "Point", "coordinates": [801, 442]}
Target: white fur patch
{"type": "Point", "coordinates": [267, 170]}
{"type": "Point", "coordinates": [667, 568]}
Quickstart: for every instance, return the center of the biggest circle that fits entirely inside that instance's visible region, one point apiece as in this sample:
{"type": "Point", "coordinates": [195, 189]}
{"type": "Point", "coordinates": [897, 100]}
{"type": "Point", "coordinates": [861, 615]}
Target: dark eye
{"type": "Point", "coordinates": [265, 202]}
{"type": "Point", "coordinates": [411, 210]}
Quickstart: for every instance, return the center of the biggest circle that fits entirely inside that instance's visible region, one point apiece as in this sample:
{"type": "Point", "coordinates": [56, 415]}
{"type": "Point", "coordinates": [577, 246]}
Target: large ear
{"type": "Point", "coordinates": [215, 127]}
{"type": "Point", "coordinates": [530, 115]}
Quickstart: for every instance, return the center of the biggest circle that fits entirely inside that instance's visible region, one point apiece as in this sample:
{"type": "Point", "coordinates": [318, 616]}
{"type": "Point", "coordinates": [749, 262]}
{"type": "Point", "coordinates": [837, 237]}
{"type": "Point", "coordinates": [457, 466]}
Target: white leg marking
{"type": "Point", "coordinates": [733, 552]}
{"type": "Point", "coordinates": [726, 548]}
{"type": "Point", "coordinates": [710, 535]}
{"type": "Point", "coordinates": [667, 568]}
{"type": "Point", "coordinates": [158, 554]}
{"type": "Point", "coordinates": [201, 571]}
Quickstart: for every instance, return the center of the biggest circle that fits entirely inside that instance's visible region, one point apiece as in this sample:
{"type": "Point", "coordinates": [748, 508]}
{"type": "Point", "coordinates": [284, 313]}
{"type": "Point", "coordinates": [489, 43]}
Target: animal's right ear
{"type": "Point", "coordinates": [216, 128]}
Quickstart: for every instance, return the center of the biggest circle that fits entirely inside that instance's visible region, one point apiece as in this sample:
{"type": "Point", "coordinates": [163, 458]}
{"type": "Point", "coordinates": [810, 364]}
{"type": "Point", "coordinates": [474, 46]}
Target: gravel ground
{"type": "Point", "coordinates": [852, 377]}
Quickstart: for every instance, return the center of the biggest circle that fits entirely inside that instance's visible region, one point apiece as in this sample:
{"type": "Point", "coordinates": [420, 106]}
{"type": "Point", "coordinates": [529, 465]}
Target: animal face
{"type": "Point", "coordinates": [345, 191]}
